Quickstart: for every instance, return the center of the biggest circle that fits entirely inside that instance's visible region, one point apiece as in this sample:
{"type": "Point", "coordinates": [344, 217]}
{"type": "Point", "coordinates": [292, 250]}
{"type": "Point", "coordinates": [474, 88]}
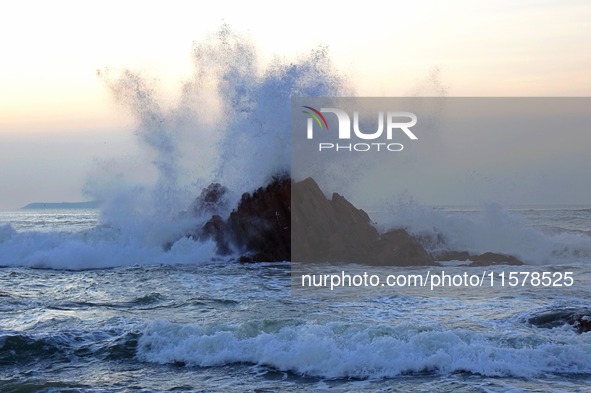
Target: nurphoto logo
{"type": "Point", "coordinates": [395, 121]}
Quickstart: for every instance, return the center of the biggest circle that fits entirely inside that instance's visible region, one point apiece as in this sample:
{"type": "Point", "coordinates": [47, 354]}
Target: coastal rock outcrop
{"type": "Point", "coordinates": [324, 230]}
{"type": "Point", "coordinates": [212, 200]}
{"type": "Point", "coordinates": [333, 230]}
{"type": "Point", "coordinates": [486, 259]}
{"type": "Point", "coordinates": [579, 319]}
{"type": "Point", "coordinates": [288, 220]}
{"type": "Point", "coordinates": [258, 229]}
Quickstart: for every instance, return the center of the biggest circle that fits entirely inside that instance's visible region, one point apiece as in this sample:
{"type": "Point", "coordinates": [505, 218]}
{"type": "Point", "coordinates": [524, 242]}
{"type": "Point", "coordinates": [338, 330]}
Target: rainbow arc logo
{"type": "Point", "coordinates": [348, 129]}
{"type": "Point", "coordinates": [316, 115]}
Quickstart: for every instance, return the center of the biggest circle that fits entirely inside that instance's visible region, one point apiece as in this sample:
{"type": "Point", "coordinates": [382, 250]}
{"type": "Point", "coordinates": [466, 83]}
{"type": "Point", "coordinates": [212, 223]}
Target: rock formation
{"type": "Point", "coordinates": [486, 259]}
{"type": "Point", "coordinates": [259, 228]}
{"type": "Point", "coordinates": [336, 231]}
{"type": "Point", "coordinates": [212, 200]}
{"type": "Point", "coordinates": [324, 230]}
{"type": "Point", "coordinates": [579, 319]}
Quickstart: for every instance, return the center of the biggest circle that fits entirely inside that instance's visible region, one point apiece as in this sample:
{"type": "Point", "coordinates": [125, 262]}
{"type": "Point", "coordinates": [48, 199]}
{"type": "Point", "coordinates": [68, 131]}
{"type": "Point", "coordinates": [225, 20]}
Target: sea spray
{"type": "Point", "coordinates": [492, 228]}
{"type": "Point", "coordinates": [229, 124]}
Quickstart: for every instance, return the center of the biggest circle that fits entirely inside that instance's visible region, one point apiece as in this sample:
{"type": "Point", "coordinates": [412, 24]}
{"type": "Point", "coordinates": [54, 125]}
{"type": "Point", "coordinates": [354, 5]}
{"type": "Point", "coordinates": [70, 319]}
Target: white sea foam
{"type": "Point", "coordinates": [338, 350]}
{"type": "Point", "coordinates": [100, 248]}
{"type": "Point", "coordinates": [492, 229]}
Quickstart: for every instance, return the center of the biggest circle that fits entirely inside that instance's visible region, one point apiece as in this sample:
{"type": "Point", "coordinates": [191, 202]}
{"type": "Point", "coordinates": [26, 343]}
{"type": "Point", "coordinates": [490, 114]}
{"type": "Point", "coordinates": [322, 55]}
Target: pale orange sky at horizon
{"type": "Point", "coordinates": [487, 48]}
{"type": "Point", "coordinates": [51, 52]}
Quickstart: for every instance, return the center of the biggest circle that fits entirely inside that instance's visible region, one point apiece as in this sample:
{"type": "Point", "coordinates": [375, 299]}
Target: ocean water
{"type": "Point", "coordinates": [92, 302]}
{"type": "Point", "coordinates": [156, 322]}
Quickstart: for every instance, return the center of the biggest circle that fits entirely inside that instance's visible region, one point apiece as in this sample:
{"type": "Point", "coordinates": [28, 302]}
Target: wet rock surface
{"type": "Point", "coordinates": [324, 229]}
{"type": "Point", "coordinates": [333, 230]}
{"type": "Point", "coordinates": [259, 228]}
{"type": "Point", "coordinates": [486, 259]}
{"type": "Point", "coordinates": [579, 319]}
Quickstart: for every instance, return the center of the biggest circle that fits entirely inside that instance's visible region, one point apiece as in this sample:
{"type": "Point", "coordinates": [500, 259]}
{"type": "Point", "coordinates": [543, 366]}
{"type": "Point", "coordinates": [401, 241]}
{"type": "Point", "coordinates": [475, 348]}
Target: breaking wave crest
{"type": "Point", "coordinates": [339, 350]}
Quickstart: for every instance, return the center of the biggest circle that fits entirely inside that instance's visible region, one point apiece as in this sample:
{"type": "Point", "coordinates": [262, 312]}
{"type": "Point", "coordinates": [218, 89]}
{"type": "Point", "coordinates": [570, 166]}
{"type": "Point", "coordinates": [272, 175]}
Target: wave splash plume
{"type": "Point", "coordinates": [229, 124]}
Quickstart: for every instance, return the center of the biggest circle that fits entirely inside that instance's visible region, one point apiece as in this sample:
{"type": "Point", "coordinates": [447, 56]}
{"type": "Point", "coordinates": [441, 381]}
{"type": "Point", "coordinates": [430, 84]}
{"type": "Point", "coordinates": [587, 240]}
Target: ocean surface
{"type": "Point", "coordinates": [87, 308]}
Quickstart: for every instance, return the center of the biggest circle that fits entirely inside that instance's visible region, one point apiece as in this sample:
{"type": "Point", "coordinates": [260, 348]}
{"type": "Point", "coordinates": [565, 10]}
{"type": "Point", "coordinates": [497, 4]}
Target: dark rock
{"type": "Point", "coordinates": [336, 231]}
{"type": "Point", "coordinates": [324, 230]}
{"type": "Point", "coordinates": [492, 258]}
{"type": "Point", "coordinates": [452, 256]}
{"type": "Point", "coordinates": [486, 259]}
{"type": "Point", "coordinates": [217, 229]}
{"type": "Point", "coordinates": [398, 247]}
{"type": "Point", "coordinates": [579, 319]}
{"type": "Point", "coordinates": [260, 227]}
{"type": "Point", "coordinates": [212, 200]}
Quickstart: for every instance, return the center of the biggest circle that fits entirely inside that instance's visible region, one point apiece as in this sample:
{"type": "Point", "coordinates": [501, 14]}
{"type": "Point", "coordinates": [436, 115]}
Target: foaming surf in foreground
{"type": "Point", "coordinates": [348, 350]}
{"type": "Point", "coordinates": [236, 327]}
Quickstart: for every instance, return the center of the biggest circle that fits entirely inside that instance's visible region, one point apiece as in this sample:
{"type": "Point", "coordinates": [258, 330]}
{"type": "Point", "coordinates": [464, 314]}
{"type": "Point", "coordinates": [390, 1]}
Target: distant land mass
{"type": "Point", "coordinates": [62, 205]}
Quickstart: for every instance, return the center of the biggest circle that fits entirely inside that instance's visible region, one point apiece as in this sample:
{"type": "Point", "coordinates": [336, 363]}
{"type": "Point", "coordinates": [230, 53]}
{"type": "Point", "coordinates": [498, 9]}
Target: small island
{"type": "Point", "coordinates": [62, 205]}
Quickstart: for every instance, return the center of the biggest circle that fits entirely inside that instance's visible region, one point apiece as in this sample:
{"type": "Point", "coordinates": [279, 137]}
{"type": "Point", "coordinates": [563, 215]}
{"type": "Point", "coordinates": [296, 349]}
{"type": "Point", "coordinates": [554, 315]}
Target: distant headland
{"type": "Point", "coordinates": [62, 205]}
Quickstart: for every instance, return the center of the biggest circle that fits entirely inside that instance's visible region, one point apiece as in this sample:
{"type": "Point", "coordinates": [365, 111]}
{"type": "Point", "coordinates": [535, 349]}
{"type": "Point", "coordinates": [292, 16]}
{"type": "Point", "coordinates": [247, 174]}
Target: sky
{"type": "Point", "coordinates": [59, 122]}
{"type": "Point", "coordinates": [470, 150]}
